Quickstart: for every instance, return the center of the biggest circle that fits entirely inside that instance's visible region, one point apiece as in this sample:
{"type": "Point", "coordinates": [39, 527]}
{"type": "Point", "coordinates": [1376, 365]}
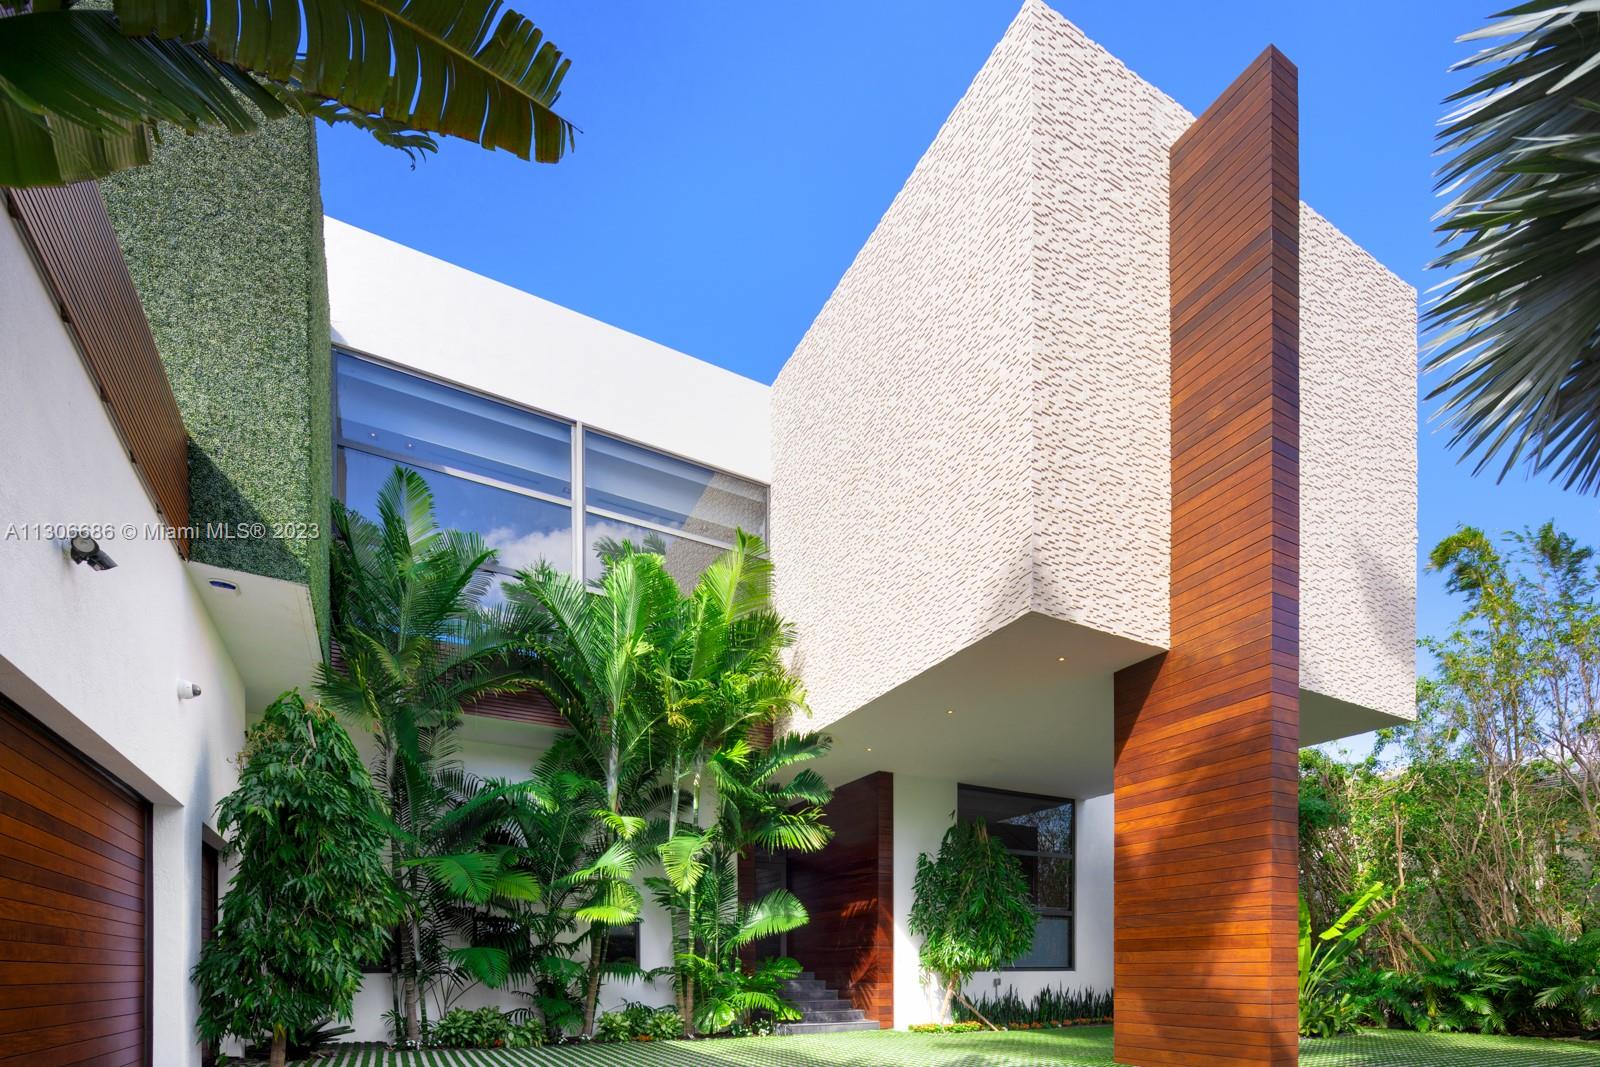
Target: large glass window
{"type": "Point", "coordinates": [507, 473]}
{"type": "Point", "coordinates": [1041, 833]}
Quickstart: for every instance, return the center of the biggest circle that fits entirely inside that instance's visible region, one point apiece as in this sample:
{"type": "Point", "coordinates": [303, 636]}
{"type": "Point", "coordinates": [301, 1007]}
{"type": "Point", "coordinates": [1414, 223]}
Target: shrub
{"type": "Point", "coordinates": [944, 1028]}
{"type": "Point", "coordinates": [614, 1026]}
{"type": "Point", "coordinates": [485, 1028]}
{"type": "Point", "coordinates": [1050, 1007]}
{"type": "Point", "coordinates": [664, 1024]}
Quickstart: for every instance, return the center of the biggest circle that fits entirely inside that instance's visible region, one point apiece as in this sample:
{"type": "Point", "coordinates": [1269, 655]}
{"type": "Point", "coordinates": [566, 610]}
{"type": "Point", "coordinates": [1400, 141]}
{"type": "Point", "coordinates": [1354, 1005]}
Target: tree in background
{"type": "Point", "coordinates": [1519, 320]}
{"type": "Point", "coordinates": [971, 910]}
{"type": "Point", "coordinates": [1481, 817]}
{"type": "Point", "coordinates": [310, 899]}
{"type": "Point", "coordinates": [83, 87]}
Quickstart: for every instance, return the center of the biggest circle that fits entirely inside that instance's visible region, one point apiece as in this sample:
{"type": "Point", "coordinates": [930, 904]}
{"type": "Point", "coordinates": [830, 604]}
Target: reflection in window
{"type": "Point", "coordinates": [665, 491]}
{"type": "Point", "coordinates": [522, 529]}
{"type": "Point", "coordinates": [1040, 833]}
{"type": "Point", "coordinates": [507, 473]}
{"type": "Point", "coordinates": [420, 421]}
{"type": "Point", "coordinates": [685, 558]}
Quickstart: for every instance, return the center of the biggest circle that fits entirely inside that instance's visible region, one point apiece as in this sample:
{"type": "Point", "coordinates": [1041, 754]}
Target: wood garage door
{"type": "Point", "coordinates": [73, 921]}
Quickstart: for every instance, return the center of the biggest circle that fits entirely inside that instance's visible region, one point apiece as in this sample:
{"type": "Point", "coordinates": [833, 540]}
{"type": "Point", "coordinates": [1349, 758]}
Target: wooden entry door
{"type": "Point", "coordinates": [74, 888]}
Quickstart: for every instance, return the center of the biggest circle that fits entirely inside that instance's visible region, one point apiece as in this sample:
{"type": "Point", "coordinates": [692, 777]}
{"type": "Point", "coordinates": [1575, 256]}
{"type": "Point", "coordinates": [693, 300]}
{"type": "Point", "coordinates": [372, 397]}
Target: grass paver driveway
{"type": "Point", "coordinates": [1088, 1046]}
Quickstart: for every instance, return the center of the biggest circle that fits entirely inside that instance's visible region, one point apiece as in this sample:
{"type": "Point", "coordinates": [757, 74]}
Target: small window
{"type": "Point", "coordinates": [1041, 832]}
{"type": "Point", "coordinates": [623, 944]}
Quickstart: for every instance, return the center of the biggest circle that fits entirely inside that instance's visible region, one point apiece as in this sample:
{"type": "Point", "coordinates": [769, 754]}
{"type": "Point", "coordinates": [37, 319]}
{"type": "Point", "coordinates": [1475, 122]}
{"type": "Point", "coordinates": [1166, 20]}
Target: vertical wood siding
{"type": "Point", "coordinates": [80, 260]}
{"type": "Point", "coordinates": [848, 888]}
{"type": "Point", "coordinates": [1207, 734]}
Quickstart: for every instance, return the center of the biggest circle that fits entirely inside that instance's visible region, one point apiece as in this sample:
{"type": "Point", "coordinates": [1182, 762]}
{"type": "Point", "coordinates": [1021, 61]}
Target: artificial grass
{"type": "Point", "coordinates": [1088, 1046]}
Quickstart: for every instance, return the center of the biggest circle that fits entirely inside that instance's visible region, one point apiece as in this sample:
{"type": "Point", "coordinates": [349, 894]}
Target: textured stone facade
{"type": "Point", "coordinates": [1358, 474]}
{"type": "Point", "coordinates": [976, 426]}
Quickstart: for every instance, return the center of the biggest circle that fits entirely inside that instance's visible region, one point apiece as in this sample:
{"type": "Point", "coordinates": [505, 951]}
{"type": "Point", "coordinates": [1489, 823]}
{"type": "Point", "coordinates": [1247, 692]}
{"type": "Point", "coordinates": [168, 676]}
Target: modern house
{"type": "Point", "coordinates": [1091, 492]}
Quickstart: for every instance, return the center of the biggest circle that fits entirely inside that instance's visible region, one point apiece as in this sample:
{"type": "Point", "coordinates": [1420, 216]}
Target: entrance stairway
{"type": "Point", "coordinates": [823, 1011]}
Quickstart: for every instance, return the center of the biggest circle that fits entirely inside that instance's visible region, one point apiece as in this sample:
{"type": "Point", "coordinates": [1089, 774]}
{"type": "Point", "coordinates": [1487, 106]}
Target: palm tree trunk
{"type": "Point", "coordinates": [279, 1056]}
{"type": "Point", "coordinates": [591, 994]}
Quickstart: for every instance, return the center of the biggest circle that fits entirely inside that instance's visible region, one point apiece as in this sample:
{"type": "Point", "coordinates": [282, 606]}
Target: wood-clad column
{"type": "Point", "coordinates": [1207, 733]}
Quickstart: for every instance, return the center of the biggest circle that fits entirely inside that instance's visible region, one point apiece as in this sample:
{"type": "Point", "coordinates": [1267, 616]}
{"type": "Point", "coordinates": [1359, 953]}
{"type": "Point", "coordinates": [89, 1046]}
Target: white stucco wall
{"type": "Point", "coordinates": [404, 306]}
{"type": "Point", "coordinates": [96, 656]}
{"type": "Point", "coordinates": [923, 810]}
{"type": "Point", "coordinates": [977, 423]}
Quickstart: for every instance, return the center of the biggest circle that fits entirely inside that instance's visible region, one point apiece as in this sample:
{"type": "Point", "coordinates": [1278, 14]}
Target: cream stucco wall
{"type": "Point", "coordinates": [976, 426]}
{"type": "Point", "coordinates": [96, 656]}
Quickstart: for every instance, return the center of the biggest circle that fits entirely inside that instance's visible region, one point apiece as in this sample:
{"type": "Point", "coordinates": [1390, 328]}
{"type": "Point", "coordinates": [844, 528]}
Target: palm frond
{"type": "Point", "coordinates": [1516, 327]}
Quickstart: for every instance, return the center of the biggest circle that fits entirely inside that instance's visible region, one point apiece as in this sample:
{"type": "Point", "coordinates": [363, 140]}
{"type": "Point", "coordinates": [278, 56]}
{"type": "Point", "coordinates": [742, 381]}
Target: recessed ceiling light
{"type": "Point", "coordinates": [1061, 659]}
{"type": "Point", "coordinates": [949, 711]}
{"type": "Point", "coordinates": [869, 748]}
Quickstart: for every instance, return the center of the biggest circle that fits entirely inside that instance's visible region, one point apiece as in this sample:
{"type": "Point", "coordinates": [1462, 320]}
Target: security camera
{"type": "Point", "coordinates": [86, 549]}
{"type": "Point", "coordinates": [187, 690]}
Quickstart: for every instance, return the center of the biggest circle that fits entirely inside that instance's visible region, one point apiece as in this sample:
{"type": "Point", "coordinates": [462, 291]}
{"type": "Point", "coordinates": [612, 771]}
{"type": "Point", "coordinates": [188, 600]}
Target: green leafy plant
{"type": "Point", "coordinates": [84, 87]}
{"type": "Point", "coordinates": [971, 909]}
{"type": "Point", "coordinates": [1326, 1011]}
{"type": "Point", "coordinates": [416, 646]}
{"type": "Point", "coordinates": [614, 1026]}
{"type": "Point", "coordinates": [310, 898]}
{"type": "Point", "coordinates": [1050, 1007]}
{"type": "Point", "coordinates": [663, 1024]}
{"type": "Point", "coordinates": [1516, 322]}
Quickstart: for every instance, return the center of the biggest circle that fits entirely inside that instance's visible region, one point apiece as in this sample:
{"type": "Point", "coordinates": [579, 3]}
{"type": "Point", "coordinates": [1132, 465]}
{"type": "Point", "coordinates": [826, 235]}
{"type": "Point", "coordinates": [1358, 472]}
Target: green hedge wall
{"type": "Point", "coordinates": [223, 236]}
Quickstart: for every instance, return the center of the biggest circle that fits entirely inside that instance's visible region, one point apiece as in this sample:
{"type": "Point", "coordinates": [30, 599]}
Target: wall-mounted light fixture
{"type": "Point", "coordinates": [86, 549]}
{"type": "Point", "coordinates": [187, 690]}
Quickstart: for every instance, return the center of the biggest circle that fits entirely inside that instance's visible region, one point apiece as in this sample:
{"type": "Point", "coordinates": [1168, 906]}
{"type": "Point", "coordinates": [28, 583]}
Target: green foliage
{"type": "Point", "coordinates": [310, 898]}
{"type": "Point", "coordinates": [1535, 982]}
{"type": "Point", "coordinates": [663, 1024]}
{"type": "Point", "coordinates": [1326, 1011]}
{"type": "Point", "coordinates": [613, 1026]}
{"type": "Point", "coordinates": [223, 239]}
{"type": "Point", "coordinates": [487, 1027]}
{"type": "Point", "coordinates": [1483, 817]}
{"type": "Point", "coordinates": [1516, 322]}
{"type": "Point", "coordinates": [1050, 1007]}
{"type": "Point", "coordinates": [416, 647]}
{"type": "Point", "coordinates": [945, 1028]}
{"type": "Point", "coordinates": [86, 86]}
{"type": "Point", "coordinates": [971, 908]}
{"type": "Point", "coordinates": [304, 1044]}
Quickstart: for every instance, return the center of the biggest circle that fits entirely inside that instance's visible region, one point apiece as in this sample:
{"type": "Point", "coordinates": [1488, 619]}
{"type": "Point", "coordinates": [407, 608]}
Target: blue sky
{"type": "Point", "coordinates": [734, 157]}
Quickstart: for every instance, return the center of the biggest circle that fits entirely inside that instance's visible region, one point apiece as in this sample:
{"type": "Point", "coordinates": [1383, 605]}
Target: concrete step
{"type": "Point", "coordinates": [809, 1027]}
{"type": "Point", "coordinates": [821, 1002]}
{"type": "Point", "coordinates": [845, 1014]}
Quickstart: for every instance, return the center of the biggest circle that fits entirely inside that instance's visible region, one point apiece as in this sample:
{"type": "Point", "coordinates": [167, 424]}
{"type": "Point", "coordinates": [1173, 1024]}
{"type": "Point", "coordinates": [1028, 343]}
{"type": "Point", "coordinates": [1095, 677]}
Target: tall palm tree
{"type": "Point", "coordinates": [1518, 324]}
{"type": "Point", "coordinates": [590, 653]}
{"type": "Point", "coordinates": [415, 648]}
{"type": "Point", "coordinates": [82, 87]}
{"type": "Point", "coordinates": [723, 679]}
